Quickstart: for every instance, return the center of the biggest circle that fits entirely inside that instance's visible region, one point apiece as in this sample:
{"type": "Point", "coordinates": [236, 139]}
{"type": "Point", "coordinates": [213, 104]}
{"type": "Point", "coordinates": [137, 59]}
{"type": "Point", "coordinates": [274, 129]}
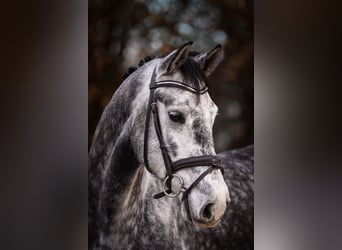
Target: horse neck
{"type": "Point", "coordinates": [141, 216]}
{"type": "Point", "coordinates": [112, 157]}
{"type": "Point", "coordinates": [165, 207]}
{"type": "Point", "coordinates": [115, 127]}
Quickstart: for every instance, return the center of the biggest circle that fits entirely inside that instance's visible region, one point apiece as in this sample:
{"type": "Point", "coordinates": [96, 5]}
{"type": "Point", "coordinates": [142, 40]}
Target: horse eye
{"type": "Point", "coordinates": [176, 116]}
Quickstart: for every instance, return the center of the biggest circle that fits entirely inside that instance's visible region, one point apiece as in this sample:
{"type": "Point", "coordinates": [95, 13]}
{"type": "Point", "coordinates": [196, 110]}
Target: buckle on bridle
{"type": "Point", "coordinates": [165, 188]}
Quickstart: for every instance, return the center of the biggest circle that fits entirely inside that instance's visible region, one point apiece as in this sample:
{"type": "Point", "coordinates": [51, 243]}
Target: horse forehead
{"type": "Point", "coordinates": [204, 107]}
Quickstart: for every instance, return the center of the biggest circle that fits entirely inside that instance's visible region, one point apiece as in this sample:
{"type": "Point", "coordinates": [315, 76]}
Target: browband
{"type": "Point", "coordinates": [176, 84]}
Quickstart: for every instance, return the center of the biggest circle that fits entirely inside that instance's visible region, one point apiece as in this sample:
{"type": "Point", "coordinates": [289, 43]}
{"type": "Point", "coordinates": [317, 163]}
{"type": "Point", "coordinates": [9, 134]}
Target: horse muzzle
{"type": "Point", "coordinates": [206, 206]}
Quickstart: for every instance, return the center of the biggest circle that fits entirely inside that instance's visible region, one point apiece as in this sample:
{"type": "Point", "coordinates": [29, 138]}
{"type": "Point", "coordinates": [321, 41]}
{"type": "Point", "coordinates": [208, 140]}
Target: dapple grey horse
{"type": "Point", "coordinates": [122, 211]}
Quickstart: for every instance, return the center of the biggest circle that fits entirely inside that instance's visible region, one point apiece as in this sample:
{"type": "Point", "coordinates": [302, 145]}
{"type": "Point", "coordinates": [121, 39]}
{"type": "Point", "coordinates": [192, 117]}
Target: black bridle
{"type": "Point", "coordinates": [212, 161]}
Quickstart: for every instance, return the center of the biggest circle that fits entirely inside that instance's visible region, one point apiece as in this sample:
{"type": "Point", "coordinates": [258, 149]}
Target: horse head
{"type": "Point", "coordinates": [174, 121]}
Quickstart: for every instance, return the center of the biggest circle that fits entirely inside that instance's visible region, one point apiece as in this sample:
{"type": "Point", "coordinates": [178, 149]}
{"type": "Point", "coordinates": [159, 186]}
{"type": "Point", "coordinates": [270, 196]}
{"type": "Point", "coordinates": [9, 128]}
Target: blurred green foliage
{"type": "Point", "coordinates": [123, 32]}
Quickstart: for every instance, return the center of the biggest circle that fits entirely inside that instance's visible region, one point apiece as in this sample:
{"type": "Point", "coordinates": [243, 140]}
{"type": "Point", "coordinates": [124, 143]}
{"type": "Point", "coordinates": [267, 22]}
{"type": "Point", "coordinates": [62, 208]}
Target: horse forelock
{"type": "Point", "coordinates": [192, 74]}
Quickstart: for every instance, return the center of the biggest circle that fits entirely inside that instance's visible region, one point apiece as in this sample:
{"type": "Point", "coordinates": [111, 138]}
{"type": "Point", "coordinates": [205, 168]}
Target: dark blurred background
{"type": "Point", "coordinates": [44, 100]}
{"type": "Point", "coordinates": [123, 32]}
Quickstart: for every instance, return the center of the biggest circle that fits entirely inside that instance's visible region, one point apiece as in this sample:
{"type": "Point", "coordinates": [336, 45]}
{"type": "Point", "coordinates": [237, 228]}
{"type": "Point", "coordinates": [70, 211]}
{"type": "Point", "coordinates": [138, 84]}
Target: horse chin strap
{"type": "Point", "coordinates": [212, 161]}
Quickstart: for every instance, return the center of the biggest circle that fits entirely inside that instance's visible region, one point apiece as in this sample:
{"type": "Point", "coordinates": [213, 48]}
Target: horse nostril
{"type": "Point", "coordinates": [208, 212]}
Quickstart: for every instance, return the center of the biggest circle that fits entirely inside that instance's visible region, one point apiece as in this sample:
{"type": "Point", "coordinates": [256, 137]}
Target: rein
{"type": "Point", "coordinates": [212, 161]}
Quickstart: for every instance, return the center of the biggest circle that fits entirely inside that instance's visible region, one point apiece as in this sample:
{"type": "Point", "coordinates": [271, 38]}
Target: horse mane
{"type": "Point", "coordinates": [141, 63]}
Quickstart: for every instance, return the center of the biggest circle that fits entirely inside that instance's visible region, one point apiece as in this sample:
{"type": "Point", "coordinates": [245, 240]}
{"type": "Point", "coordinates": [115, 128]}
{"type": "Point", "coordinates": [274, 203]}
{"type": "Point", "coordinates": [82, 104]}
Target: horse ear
{"type": "Point", "coordinates": [176, 58]}
{"type": "Point", "coordinates": [210, 60]}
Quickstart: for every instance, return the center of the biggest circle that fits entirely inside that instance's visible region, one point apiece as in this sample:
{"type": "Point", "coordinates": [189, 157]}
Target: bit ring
{"type": "Point", "coordinates": [181, 181]}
